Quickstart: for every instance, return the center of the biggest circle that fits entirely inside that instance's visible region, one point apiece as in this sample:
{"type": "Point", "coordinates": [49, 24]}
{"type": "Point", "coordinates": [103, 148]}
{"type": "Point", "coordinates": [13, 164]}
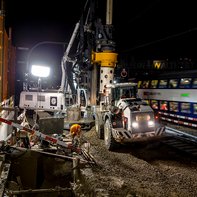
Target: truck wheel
{"type": "Point", "coordinates": [99, 127]}
{"type": "Point", "coordinates": [110, 142]}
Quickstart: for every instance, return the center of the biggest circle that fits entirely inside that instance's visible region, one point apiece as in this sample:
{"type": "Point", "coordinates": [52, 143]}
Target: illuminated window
{"type": "Point", "coordinates": [185, 108]}
{"type": "Point", "coordinates": [139, 84]}
{"type": "Point", "coordinates": [173, 83]}
{"type": "Point", "coordinates": [185, 83]}
{"type": "Point", "coordinates": [153, 83]}
{"type": "Point", "coordinates": [147, 102]}
{"type": "Point", "coordinates": [195, 108]}
{"type": "Point", "coordinates": [163, 105]}
{"type": "Point", "coordinates": [145, 84]}
{"type": "Point", "coordinates": [194, 84]}
{"type": "Point", "coordinates": [154, 104]}
{"type": "Point", "coordinates": [163, 83]}
{"type": "Point", "coordinates": [174, 106]}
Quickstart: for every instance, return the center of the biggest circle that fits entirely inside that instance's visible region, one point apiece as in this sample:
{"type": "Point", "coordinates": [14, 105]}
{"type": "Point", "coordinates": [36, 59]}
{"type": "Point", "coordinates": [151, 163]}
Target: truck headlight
{"type": "Point", "coordinates": [135, 125]}
{"type": "Point", "coordinates": [151, 123]}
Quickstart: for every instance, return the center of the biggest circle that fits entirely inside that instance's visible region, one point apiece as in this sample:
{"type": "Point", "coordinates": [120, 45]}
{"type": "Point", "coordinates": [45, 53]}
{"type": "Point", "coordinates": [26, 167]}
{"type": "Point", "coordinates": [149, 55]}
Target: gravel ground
{"type": "Point", "coordinates": [139, 169]}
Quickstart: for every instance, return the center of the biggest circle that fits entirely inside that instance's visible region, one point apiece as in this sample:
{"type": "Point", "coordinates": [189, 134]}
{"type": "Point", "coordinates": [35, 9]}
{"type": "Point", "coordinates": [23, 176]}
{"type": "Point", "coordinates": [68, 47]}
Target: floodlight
{"type": "Point", "coordinates": [40, 71]}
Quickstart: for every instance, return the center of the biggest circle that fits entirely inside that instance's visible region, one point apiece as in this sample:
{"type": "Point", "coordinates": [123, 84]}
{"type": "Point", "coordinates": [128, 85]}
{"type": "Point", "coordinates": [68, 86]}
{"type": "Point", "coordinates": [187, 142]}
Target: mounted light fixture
{"type": "Point", "coordinates": [40, 71]}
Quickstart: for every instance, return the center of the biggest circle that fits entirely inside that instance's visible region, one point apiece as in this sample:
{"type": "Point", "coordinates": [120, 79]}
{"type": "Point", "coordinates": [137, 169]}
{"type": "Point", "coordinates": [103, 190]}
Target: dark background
{"type": "Point", "coordinates": [144, 31]}
{"type": "Point", "coordinates": [141, 28]}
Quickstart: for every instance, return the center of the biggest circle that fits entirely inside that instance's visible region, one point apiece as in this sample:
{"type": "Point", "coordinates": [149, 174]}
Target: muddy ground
{"type": "Point", "coordinates": [148, 169]}
{"type": "Point", "coordinates": [145, 169]}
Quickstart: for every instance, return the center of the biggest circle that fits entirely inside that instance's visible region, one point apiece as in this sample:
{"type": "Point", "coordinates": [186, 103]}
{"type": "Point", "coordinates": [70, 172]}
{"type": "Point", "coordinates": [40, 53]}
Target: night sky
{"type": "Point", "coordinates": [34, 21]}
{"type": "Point", "coordinates": [153, 28]}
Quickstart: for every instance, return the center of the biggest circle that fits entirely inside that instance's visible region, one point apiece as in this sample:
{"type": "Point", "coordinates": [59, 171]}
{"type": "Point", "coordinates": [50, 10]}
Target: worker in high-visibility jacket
{"type": "Point", "coordinates": [75, 132]}
{"type": "Point", "coordinates": [77, 138]}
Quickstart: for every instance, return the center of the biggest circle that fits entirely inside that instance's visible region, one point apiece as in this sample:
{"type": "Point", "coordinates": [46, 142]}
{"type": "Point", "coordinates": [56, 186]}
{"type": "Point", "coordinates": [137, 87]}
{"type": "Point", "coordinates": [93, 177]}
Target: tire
{"type": "Point", "coordinates": [110, 142]}
{"type": "Point", "coordinates": [99, 127]}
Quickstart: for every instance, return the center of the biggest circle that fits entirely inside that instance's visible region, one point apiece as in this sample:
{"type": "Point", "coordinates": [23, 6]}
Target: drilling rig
{"type": "Point", "coordinates": [120, 115]}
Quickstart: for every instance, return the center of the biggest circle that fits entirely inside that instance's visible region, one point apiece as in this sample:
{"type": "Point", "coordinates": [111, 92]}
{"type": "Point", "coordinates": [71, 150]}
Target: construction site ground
{"type": "Point", "coordinates": [147, 169]}
{"type": "Point", "coordinates": [142, 169]}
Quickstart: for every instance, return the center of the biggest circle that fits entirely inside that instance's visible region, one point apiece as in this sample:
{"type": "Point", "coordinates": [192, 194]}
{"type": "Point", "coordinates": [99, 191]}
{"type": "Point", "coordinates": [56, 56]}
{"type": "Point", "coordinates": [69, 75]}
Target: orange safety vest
{"type": "Point", "coordinates": [75, 129]}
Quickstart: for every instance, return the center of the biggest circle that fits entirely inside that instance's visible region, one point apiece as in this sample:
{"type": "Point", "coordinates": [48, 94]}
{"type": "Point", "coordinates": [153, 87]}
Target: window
{"type": "Point", "coordinates": [195, 108]}
{"type": "Point", "coordinates": [173, 83]}
{"type": "Point", "coordinates": [145, 84]}
{"type": "Point", "coordinates": [164, 105]}
{"type": "Point", "coordinates": [147, 101]}
{"type": "Point", "coordinates": [173, 106]}
{"type": "Point", "coordinates": [128, 93]}
{"type": "Point", "coordinates": [185, 83]}
{"type": "Point", "coordinates": [154, 104]}
{"type": "Point", "coordinates": [185, 108]}
{"type": "Point", "coordinates": [139, 84]}
{"type": "Point", "coordinates": [194, 84]}
{"type": "Point", "coordinates": [163, 83]}
{"type": "Point", "coordinates": [153, 83]}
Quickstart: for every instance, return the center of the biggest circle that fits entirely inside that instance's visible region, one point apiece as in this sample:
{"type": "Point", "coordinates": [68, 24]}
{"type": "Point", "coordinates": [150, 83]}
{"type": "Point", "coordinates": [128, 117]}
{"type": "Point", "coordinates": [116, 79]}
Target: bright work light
{"type": "Point", "coordinates": [40, 71]}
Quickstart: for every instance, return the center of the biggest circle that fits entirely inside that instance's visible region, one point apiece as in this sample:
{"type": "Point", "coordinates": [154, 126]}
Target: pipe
{"type": "Point", "coordinates": [109, 12]}
{"type": "Point", "coordinates": [66, 57]}
{"type": "Point", "coordinates": [31, 191]}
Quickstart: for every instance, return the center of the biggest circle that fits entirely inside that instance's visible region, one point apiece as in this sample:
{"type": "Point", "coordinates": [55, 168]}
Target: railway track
{"type": "Point", "coordinates": [182, 141]}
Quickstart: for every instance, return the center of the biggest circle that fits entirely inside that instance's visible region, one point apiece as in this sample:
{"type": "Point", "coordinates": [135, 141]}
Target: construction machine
{"type": "Point", "coordinates": [117, 118]}
{"type": "Point", "coordinates": [120, 115]}
{"type": "Point", "coordinates": [124, 117]}
{"type": "Point", "coordinates": [64, 106]}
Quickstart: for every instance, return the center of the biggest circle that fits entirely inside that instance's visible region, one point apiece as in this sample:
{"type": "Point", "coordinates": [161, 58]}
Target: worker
{"type": "Point", "coordinates": [78, 140]}
{"type": "Point", "coordinates": [75, 132]}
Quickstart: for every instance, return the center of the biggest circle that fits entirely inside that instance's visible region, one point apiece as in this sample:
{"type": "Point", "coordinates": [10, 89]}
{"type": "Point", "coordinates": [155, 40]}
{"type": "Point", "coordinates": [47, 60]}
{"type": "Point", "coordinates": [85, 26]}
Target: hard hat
{"type": "Point", "coordinates": [75, 129]}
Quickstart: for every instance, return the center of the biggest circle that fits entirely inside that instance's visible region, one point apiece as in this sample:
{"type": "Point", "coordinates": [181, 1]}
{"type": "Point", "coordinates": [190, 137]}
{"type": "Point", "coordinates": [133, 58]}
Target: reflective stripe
{"type": "Point", "coordinates": [39, 134]}
{"type": "Point", "coordinates": [179, 122]}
